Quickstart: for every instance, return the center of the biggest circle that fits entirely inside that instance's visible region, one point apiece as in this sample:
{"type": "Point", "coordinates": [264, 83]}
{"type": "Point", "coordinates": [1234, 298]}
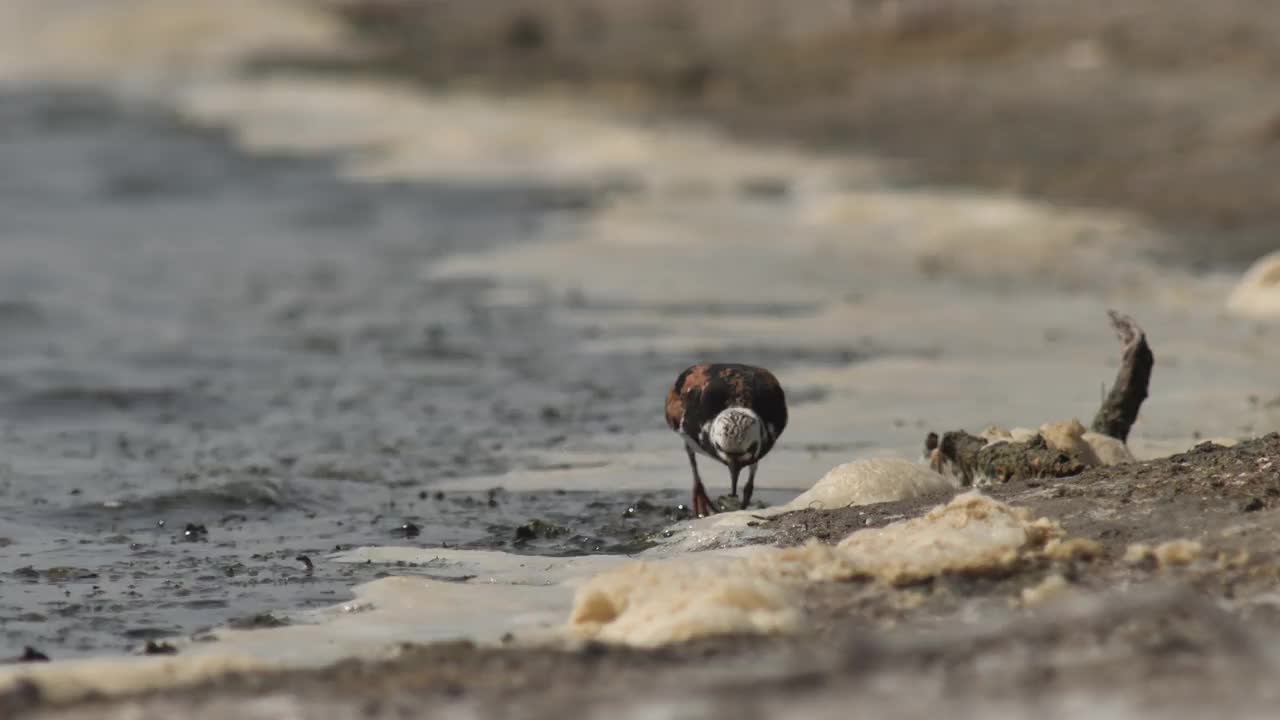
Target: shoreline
{"type": "Point", "coordinates": [1165, 623]}
{"type": "Point", "coordinates": [1172, 630]}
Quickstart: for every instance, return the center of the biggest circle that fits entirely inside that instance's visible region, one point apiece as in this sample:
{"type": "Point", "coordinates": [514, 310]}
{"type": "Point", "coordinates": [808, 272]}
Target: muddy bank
{"type": "Point", "coordinates": [277, 373]}
{"type": "Point", "coordinates": [1163, 108]}
{"type": "Point", "coordinates": [1163, 604]}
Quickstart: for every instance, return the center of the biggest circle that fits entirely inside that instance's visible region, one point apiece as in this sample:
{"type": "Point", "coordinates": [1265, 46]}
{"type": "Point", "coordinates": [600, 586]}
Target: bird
{"type": "Point", "coordinates": [730, 412]}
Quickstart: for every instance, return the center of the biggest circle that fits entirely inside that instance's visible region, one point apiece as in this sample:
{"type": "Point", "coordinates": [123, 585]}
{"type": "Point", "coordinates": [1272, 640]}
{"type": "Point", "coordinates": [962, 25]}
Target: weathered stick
{"type": "Point", "coordinates": [971, 457]}
{"type": "Point", "coordinates": [1120, 408]}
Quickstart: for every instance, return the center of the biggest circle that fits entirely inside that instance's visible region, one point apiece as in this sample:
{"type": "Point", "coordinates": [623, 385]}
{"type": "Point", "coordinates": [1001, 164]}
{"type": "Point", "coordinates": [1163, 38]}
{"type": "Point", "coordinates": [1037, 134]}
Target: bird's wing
{"type": "Point", "coordinates": [770, 403]}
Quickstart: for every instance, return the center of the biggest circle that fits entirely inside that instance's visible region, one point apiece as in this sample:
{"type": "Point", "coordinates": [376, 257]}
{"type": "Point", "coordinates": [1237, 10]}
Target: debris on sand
{"type": "Point", "coordinates": [1166, 554]}
{"type": "Point", "coordinates": [1119, 410]}
{"type": "Point", "coordinates": [989, 458]}
{"type": "Point", "coordinates": [1059, 449]}
{"type": "Point", "coordinates": [1178, 552]}
{"type": "Point", "coordinates": [1073, 549]}
{"type": "Point", "coordinates": [535, 529]}
{"type": "Point", "coordinates": [195, 532]}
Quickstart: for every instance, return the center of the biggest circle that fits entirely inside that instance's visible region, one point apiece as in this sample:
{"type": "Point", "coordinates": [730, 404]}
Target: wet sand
{"type": "Point", "coordinates": [1133, 634]}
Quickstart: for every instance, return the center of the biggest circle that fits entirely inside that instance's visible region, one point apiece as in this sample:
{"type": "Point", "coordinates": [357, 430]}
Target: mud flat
{"type": "Point", "coordinates": [1160, 599]}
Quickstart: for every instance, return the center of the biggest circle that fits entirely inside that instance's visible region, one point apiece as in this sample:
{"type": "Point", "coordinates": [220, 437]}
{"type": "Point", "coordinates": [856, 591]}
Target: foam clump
{"type": "Point", "coordinates": [1109, 450]}
{"type": "Point", "coordinates": [971, 535]}
{"type": "Point", "coordinates": [647, 604]}
{"type": "Point", "coordinates": [863, 482]}
{"type": "Point", "coordinates": [1258, 292]}
{"type": "Point", "coordinates": [72, 680]}
{"type": "Point", "coordinates": [1068, 436]}
{"type": "Point", "coordinates": [1073, 549]}
{"type": "Point", "coordinates": [1166, 554]}
{"type": "Point", "coordinates": [652, 603]}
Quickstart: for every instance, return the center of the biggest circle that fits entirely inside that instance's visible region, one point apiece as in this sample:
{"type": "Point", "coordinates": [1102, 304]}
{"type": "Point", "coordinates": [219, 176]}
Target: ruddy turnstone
{"type": "Point", "coordinates": [733, 413]}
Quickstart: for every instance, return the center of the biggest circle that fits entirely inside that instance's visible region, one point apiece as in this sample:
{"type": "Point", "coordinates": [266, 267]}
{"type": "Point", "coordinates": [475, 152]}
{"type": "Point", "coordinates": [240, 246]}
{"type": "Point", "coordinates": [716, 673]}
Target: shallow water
{"type": "Point", "coordinates": [298, 331]}
{"type": "Point", "coordinates": [199, 336]}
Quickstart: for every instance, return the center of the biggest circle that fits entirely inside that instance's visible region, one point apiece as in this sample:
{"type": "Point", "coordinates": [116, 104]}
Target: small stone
{"type": "Point", "coordinates": [30, 654]}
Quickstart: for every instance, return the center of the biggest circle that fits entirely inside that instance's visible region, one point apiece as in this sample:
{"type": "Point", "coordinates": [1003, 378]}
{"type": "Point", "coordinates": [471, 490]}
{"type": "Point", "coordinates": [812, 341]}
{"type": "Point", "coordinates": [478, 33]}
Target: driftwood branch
{"type": "Point", "coordinates": [972, 457]}
{"type": "Point", "coordinates": [1120, 408]}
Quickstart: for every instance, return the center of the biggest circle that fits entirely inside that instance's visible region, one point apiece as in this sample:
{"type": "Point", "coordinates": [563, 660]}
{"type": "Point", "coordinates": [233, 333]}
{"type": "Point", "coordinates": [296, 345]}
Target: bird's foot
{"type": "Point", "coordinates": [702, 505]}
{"type": "Point", "coordinates": [729, 503]}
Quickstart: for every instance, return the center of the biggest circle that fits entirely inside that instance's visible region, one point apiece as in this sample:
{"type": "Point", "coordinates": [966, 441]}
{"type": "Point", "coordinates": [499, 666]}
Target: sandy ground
{"type": "Point", "coordinates": [1172, 611]}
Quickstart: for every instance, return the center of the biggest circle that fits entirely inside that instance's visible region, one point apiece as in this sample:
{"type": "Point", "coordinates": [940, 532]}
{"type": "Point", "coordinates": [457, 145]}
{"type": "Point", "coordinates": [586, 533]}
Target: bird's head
{"type": "Point", "coordinates": [737, 434]}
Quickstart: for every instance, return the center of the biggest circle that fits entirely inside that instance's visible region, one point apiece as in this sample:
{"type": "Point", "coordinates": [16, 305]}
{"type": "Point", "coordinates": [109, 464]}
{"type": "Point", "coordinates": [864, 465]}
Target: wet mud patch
{"type": "Point", "coordinates": [64, 401]}
{"type": "Point", "coordinates": [123, 577]}
{"type": "Point", "coordinates": [797, 528]}
{"type": "Point", "coordinates": [564, 523]}
{"type": "Point", "coordinates": [228, 361]}
{"type": "Point", "coordinates": [1219, 495]}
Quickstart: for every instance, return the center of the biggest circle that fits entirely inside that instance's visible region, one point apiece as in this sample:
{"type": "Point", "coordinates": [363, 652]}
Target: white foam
{"type": "Point", "coordinates": [862, 482]}
{"type": "Point", "coordinates": [759, 591]}
{"type": "Point", "coordinates": [68, 680]}
{"type": "Point", "coordinates": [1258, 292]}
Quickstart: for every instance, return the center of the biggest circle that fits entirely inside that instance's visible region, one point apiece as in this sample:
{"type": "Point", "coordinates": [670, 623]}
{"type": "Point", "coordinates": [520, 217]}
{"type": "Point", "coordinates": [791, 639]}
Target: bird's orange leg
{"type": "Point", "coordinates": [700, 504]}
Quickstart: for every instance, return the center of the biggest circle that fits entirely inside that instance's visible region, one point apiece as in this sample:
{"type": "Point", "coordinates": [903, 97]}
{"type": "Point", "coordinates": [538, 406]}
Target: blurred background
{"type": "Point", "coordinates": [280, 277]}
{"type": "Point", "coordinates": [1164, 108]}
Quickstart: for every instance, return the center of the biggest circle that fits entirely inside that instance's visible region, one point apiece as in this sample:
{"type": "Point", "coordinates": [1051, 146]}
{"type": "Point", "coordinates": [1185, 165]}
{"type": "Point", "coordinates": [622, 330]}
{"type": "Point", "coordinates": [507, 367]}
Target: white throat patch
{"type": "Point", "coordinates": [737, 431]}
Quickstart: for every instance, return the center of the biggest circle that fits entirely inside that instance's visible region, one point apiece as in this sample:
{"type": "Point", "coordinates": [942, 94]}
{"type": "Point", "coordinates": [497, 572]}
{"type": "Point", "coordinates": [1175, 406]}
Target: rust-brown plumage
{"type": "Point", "coordinates": [701, 394]}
